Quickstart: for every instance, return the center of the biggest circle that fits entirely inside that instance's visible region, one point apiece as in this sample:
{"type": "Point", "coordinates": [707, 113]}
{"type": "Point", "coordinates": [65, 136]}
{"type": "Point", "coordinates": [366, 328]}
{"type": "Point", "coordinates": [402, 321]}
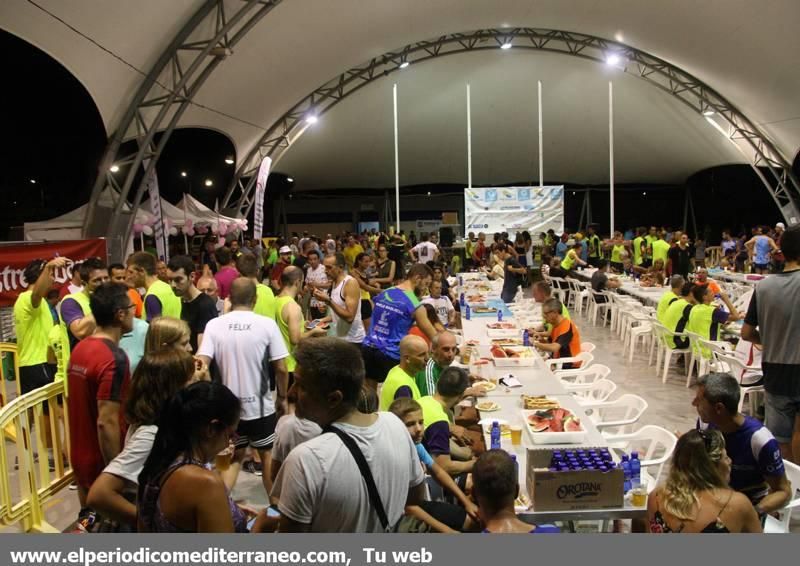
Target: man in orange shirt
{"type": "Point", "coordinates": [565, 340]}
{"type": "Point", "coordinates": [118, 274]}
{"type": "Point", "coordinates": [701, 279]}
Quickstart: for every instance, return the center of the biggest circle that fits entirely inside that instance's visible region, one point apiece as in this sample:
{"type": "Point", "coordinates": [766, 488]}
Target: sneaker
{"type": "Point", "coordinates": [86, 521]}
{"type": "Point", "coordinates": [253, 467]}
{"type": "Point", "coordinates": [73, 486]}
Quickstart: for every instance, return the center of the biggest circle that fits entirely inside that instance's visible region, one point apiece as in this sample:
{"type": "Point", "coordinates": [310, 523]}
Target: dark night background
{"type": "Point", "coordinates": [53, 134]}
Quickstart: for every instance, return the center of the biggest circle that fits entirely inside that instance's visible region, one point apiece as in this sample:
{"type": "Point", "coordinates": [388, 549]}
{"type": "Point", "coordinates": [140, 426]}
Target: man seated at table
{"type": "Point", "coordinates": [437, 413]}
{"type": "Point", "coordinates": [565, 340]}
{"type": "Point", "coordinates": [676, 283]}
{"type": "Point", "coordinates": [705, 318]}
{"type": "Point", "coordinates": [701, 278]}
{"type": "Point", "coordinates": [677, 316]}
{"type": "Point", "coordinates": [757, 468]}
{"type": "Point", "coordinates": [601, 282]}
{"type": "Point", "coordinates": [400, 379]}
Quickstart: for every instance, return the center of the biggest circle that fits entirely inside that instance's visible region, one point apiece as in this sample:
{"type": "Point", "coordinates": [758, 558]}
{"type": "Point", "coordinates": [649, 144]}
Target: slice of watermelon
{"type": "Point", "coordinates": [538, 424]}
{"type": "Point", "coordinates": [572, 425]}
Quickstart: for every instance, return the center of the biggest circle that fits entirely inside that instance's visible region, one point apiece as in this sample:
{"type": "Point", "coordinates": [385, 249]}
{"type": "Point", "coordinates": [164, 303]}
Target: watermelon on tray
{"type": "Point", "coordinates": [554, 426]}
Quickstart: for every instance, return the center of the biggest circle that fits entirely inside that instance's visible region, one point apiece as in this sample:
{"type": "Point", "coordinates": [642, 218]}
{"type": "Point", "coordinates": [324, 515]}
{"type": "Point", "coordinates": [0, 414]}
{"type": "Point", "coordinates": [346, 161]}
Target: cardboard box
{"type": "Point", "coordinates": [570, 491]}
{"type": "Point", "coordinates": [450, 218]}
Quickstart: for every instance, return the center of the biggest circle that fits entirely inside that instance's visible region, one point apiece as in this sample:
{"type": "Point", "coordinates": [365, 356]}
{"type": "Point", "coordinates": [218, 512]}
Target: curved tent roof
{"type": "Point", "coordinates": [745, 50]}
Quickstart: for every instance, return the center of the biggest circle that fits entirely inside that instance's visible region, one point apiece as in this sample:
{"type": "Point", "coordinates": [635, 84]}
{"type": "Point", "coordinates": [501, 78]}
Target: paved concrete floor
{"type": "Point", "coordinates": [669, 407]}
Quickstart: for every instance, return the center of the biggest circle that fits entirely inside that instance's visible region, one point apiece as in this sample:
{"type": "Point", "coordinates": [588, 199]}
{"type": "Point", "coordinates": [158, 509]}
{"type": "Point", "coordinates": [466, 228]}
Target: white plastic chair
{"type": "Point", "coordinates": [655, 446]}
{"type": "Point", "coordinates": [618, 414]}
{"type": "Point", "coordinates": [556, 364]}
{"type": "Point", "coordinates": [596, 307]}
{"type": "Point", "coordinates": [781, 524]}
{"type": "Point", "coordinates": [738, 368]}
{"type": "Point", "coordinates": [596, 392]}
{"type": "Point", "coordinates": [583, 298]}
{"type": "Point", "coordinates": [582, 375]}
{"type": "Point", "coordinates": [704, 354]}
{"type": "Point", "coordinates": [665, 352]}
{"type": "Point", "coordinates": [644, 330]}
{"type": "Point", "coordinates": [587, 347]}
{"type": "Point", "coordinates": [559, 287]}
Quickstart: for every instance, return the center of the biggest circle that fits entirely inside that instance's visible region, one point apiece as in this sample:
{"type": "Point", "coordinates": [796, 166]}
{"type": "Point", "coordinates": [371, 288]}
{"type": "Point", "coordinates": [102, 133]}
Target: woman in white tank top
{"type": "Point", "coordinates": [340, 328]}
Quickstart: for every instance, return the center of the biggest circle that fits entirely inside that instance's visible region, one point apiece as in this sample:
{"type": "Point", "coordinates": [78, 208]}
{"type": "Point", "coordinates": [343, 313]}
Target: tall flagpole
{"type": "Point", "coordinates": [396, 166]}
{"type": "Point", "coordinates": [541, 149]}
{"type": "Point", "coordinates": [469, 142]}
{"type": "Point", "coordinates": [611, 151]}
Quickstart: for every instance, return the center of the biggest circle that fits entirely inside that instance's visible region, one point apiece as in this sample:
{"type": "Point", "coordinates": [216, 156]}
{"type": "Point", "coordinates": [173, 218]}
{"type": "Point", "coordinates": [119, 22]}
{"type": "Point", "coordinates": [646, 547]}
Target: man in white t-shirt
{"type": "Point", "coordinates": [444, 307]}
{"type": "Point", "coordinates": [244, 345]}
{"type": "Point", "coordinates": [425, 251]}
{"type": "Point", "coordinates": [319, 486]}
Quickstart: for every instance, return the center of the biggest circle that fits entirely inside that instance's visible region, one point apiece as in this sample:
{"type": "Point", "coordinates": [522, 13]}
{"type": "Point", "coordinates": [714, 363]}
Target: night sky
{"type": "Point", "coordinates": [54, 135]}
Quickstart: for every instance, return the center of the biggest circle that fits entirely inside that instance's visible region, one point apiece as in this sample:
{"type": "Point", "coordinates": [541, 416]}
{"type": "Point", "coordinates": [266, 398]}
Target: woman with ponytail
{"type": "Point", "coordinates": [157, 378]}
{"type": "Point", "coordinates": [696, 497]}
{"type": "Point", "coordinates": [178, 491]}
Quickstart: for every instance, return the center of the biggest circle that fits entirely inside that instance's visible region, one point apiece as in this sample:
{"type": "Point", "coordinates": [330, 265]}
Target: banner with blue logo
{"type": "Point", "coordinates": [514, 209]}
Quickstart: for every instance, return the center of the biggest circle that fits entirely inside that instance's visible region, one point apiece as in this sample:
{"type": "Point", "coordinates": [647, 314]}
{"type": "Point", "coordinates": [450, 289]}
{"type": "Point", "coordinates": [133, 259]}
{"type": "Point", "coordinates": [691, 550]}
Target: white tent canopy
{"type": "Point", "coordinates": [744, 50]}
{"type": "Point", "coordinates": [69, 226]}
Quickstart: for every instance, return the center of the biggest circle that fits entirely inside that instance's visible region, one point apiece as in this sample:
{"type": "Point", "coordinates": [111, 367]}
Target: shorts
{"type": "Point", "coordinates": [780, 415]}
{"type": "Point", "coordinates": [376, 364]}
{"type": "Point", "coordinates": [366, 309]}
{"type": "Point", "coordinates": [258, 433]}
{"type": "Point", "coordinates": [34, 377]}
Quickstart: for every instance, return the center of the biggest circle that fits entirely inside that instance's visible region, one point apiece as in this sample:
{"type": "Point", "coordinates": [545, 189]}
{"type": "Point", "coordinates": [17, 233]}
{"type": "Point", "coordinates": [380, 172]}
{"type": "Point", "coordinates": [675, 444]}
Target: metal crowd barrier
{"type": "Point", "coordinates": [41, 441]}
{"type": "Point", "coordinates": [8, 351]}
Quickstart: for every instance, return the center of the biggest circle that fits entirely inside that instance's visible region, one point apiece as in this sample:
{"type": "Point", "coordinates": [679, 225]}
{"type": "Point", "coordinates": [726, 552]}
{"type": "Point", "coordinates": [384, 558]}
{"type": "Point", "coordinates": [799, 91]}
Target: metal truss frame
{"type": "Point", "coordinates": [206, 39]}
{"type": "Point", "coordinates": [770, 165]}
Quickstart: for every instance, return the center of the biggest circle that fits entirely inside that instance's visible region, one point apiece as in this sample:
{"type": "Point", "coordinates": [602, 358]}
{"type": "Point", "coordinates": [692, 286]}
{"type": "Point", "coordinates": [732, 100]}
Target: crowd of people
{"type": "Point", "coordinates": [325, 365]}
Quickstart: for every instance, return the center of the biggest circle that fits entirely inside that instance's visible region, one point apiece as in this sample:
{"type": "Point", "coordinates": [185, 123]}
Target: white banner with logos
{"type": "Point", "coordinates": [258, 205]}
{"type": "Point", "coordinates": [155, 208]}
{"type": "Point", "coordinates": [514, 209]}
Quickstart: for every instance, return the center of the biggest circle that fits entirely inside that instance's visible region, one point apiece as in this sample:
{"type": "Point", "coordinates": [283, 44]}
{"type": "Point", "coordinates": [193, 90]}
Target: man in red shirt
{"type": "Point", "coordinates": [227, 272]}
{"type": "Point", "coordinates": [98, 378]}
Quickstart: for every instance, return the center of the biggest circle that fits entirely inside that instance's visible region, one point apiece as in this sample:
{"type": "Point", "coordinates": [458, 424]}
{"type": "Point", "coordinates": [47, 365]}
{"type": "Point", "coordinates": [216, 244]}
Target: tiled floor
{"type": "Point", "coordinates": [669, 407]}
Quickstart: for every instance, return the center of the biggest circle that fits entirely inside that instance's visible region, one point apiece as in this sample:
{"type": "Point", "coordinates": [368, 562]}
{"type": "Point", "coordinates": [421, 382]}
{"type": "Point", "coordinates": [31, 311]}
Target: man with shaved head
{"type": "Point", "coordinates": [400, 379]}
{"type": "Point", "coordinates": [241, 343]}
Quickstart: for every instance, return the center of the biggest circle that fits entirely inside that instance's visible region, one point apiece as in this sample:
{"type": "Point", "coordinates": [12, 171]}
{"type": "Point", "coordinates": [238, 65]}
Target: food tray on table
{"type": "Point", "coordinates": [504, 329]}
{"type": "Point", "coordinates": [509, 341]}
{"type": "Point", "coordinates": [513, 356]}
{"type": "Point", "coordinates": [553, 426]}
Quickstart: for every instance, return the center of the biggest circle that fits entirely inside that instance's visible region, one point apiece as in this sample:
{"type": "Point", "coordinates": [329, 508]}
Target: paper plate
{"type": "Point", "coordinates": [496, 407]}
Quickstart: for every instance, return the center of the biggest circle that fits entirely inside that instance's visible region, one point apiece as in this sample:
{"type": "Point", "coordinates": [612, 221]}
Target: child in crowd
{"type": "Point", "coordinates": [440, 516]}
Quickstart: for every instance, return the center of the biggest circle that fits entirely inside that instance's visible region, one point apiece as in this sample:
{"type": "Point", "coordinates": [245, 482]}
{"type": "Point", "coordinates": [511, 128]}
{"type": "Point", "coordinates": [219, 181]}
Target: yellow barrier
{"type": "Point", "coordinates": [8, 349]}
{"type": "Point", "coordinates": [35, 433]}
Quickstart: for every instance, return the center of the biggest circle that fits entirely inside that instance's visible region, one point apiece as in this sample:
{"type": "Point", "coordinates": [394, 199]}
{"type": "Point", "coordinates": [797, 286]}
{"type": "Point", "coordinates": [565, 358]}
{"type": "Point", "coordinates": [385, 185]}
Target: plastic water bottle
{"type": "Point", "coordinates": [526, 338]}
{"type": "Point", "coordinates": [636, 469]}
{"type": "Point", "coordinates": [462, 299]}
{"type": "Point", "coordinates": [495, 436]}
{"type": "Point", "coordinates": [626, 471]}
{"type": "Point", "coordinates": [499, 314]}
{"type": "Point", "coordinates": [516, 464]}
{"type": "Point", "coordinates": [467, 312]}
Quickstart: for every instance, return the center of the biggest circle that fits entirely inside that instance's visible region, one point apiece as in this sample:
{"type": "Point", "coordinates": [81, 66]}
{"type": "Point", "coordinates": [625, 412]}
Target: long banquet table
{"type": "Point", "coordinates": [536, 380]}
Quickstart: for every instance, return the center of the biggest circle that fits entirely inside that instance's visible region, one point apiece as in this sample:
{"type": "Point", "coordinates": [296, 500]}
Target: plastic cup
{"type": "Point", "coordinates": [516, 435]}
{"type": "Point", "coordinates": [222, 461]}
{"type": "Point", "coordinates": [639, 496]}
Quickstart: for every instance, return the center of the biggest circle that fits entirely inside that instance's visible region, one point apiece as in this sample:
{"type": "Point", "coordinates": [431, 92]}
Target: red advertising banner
{"type": "Point", "coordinates": [15, 257]}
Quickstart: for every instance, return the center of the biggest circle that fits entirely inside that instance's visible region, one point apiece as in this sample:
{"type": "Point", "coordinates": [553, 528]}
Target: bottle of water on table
{"type": "Point", "coordinates": [495, 436]}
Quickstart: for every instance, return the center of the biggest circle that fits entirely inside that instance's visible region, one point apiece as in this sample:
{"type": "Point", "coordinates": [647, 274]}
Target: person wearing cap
{"type": "Point", "coordinates": [284, 261]}
{"type": "Point", "coordinates": [778, 260]}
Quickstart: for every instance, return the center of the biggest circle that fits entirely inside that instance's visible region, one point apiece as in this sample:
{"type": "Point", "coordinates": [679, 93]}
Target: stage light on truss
{"type": "Point", "coordinates": [312, 119]}
{"type": "Point", "coordinates": [404, 64]}
{"type": "Point", "coordinates": [114, 168]}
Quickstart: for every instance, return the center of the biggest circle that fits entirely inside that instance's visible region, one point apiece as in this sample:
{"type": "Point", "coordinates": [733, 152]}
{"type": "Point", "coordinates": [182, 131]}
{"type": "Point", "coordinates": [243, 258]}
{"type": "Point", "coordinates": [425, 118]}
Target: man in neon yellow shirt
{"type": "Point", "coordinates": [649, 240]}
{"type": "Point", "coordinates": [351, 250]}
{"type": "Point", "coordinates": [32, 323]}
{"type": "Point", "coordinates": [438, 420]}
{"type": "Point", "coordinates": [639, 246]}
{"type": "Point", "coordinates": [676, 283]}
{"type": "Point", "coordinates": [660, 249]}
{"type": "Point", "coordinates": [159, 300]}
{"type": "Point", "coordinates": [400, 380]}
{"type": "Point", "coordinates": [74, 311]}
{"type": "Point", "coordinates": [247, 266]}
